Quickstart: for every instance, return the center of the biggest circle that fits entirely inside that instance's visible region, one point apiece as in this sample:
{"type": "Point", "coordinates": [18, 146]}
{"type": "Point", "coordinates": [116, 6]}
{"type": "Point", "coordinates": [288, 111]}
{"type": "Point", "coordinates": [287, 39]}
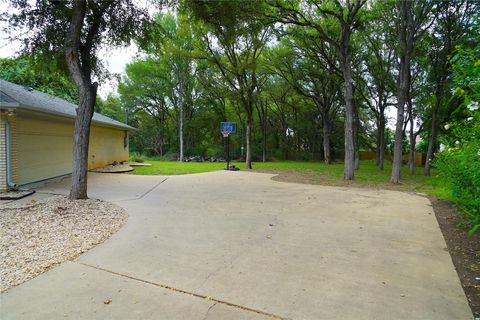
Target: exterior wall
{"type": "Point", "coordinates": [106, 146]}
{"type": "Point", "coordinates": [3, 155]}
{"type": "Point", "coordinates": [44, 148]}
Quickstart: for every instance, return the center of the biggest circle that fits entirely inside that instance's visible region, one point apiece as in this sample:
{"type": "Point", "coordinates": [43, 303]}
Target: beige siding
{"type": "Point", "coordinates": [106, 146]}
{"type": "Point", "coordinates": [3, 155]}
{"type": "Point", "coordinates": [44, 148]}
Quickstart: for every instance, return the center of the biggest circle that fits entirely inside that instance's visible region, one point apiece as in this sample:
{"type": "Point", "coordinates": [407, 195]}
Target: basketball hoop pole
{"type": "Point", "coordinates": [227, 128]}
{"type": "Point", "coordinates": [228, 151]}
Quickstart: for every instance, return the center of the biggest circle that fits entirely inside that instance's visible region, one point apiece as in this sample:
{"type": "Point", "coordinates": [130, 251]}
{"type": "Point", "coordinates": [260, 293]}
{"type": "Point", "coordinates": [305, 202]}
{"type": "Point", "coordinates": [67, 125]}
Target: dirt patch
{"type": "Point", "coordinates": [37, 236]}
{"type": "Point", "coordinates": [329, 180]}
{"type": "Point", "coordinates": [464, 250]}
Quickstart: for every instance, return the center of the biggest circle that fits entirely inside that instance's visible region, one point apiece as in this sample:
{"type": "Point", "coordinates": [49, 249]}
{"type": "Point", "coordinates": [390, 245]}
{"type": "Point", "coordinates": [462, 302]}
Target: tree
{"type": "Point", "coordinates": [78, 28]}
{"type": "Point", "coordinates": [234, 38]}
{"type": "Point", "coordinates": [29, 71]}
{"type": "Point", "coordinates": [452, 25]}
{"type": "Point", "coordinates": [170, 41]}
{"type": "Point", "coordinates": [406, 33]}
{"type": "Point", "coordinates": [378, 55]}
{"type": "Point", "coordinates": [413, 20]}
{"type": "Point", "coordinates": [334, 23]}
{"type": "Point", "coordinates": [308, 65]}
{"type": "Point", "coordinates": [146, 89]}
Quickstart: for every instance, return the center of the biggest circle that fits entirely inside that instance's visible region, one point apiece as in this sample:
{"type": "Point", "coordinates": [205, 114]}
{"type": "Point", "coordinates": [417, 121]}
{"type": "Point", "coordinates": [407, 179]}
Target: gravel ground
{"type": "Point", "coordinates": [37, 236]}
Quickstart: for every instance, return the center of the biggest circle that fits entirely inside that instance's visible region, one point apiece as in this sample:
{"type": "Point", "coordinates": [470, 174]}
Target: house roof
{"type": "Point", "coordinates": [19, 97]}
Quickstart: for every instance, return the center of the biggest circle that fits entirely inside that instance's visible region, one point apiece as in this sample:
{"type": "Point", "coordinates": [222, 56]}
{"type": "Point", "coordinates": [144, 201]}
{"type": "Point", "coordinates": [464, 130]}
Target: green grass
{"type": "Point", "coordinates": [315, 173]}
{"type": "Point", "coordinates": [175, 167]}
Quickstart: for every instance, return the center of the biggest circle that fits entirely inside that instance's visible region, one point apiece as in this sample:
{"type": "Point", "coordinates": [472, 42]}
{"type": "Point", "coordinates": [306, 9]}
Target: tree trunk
{"type": "Point", "coordinates": [405, 36]}
{"type": "Point", "coordinates": [181, 101]}
{"type": "Point", "coordinates": [264, 139]}
{"type": "Point", "coordinates": [262, 116]}
{"type": "Point", "coordinates": [377, 148]}
{"type": "Point", "coordinates": [431, 142]}
{"type": "Point", "coordinates": [81, 139]}
{"type": "Point", "coordinates": [87, 93]}
{"type": "Point", "coordinates": [248, 156]}
{"type": "Point", "coordinates": [381, 141]}
{"type": "Point", "coordinates": [356, 126]}
{"type": "Point", "coordinates": [326, 139]}
{"type": "Point", "coordinates": [411, 151]}
{"type": "Point", "coordinates": [349, 166]}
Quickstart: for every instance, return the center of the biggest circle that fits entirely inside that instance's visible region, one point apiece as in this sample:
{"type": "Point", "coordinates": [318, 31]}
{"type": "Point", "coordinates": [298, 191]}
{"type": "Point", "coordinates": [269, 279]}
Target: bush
{"type": "Point", "coordinates": [215, 151]}
{"type": "Point", "coordinates": [459, 160]}
{"type": "Point", "coordinates": [460, 165]}
{"type": "Point", "coordinates": [136, 157]}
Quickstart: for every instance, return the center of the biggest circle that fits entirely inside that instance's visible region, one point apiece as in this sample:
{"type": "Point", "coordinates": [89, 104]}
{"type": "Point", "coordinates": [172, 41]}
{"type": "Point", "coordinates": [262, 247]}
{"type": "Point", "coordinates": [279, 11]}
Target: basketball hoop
{"type": "Point", "coordinates": [225, 134]}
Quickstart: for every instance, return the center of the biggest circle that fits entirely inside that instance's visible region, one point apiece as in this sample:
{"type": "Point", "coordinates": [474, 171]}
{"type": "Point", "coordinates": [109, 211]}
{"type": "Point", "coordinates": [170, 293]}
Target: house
{"type": "Point", "coordinates": [36, 137]}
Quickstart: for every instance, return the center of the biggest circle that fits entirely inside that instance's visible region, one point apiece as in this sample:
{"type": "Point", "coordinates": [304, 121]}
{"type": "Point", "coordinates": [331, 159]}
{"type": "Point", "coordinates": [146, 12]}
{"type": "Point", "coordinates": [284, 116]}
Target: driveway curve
{"type": "Point", "coordinates": [237, 245]}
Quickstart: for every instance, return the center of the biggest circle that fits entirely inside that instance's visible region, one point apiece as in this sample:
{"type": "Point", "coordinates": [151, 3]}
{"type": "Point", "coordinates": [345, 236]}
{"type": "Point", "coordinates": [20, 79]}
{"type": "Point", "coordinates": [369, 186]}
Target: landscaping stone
{"type": "Point", "coordinates": [39, 235]}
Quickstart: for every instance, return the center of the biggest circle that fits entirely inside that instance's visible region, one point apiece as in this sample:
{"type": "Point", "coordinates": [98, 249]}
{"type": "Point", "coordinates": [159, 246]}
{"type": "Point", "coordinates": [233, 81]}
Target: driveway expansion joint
{"type": "Point", "coordinates": [193, 294]}
{"type": "Point", "coordinates": [145, 193]}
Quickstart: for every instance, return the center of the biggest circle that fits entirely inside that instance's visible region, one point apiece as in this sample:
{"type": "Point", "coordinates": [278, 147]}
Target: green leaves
{"type": "Point", "coordinates": [32, 72]}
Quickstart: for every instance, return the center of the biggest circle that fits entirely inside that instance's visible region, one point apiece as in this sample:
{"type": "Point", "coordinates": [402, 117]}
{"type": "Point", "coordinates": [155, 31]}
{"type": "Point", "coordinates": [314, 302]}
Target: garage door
{"type": "Point", "coordinates": [44, 149]}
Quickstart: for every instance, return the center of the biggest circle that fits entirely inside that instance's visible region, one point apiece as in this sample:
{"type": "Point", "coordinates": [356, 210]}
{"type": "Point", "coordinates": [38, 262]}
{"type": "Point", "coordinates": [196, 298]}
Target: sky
{"type": "Point", "coordinates": [115, 60]}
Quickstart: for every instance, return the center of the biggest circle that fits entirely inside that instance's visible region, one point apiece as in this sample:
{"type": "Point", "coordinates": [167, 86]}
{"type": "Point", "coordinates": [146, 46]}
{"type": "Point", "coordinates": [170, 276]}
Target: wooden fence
{"type": "Point", "coordinates": [419, 158]}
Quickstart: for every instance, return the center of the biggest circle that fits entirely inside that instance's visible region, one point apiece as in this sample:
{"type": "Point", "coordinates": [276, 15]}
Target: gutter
{"type": "Point", "coordinates": [100, 123]}
{"type": "Point", "coordinates": [10, 182]}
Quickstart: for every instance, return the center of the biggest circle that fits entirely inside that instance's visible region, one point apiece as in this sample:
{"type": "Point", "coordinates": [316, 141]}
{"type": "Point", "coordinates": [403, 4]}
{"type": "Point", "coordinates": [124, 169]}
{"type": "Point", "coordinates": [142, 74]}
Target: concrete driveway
{"type": "Point", "coordinates": [237, 245]}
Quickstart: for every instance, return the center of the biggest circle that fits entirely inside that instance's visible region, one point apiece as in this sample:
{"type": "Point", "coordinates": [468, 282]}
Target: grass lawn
{"type": "Point", "coordinates": [368, 175]}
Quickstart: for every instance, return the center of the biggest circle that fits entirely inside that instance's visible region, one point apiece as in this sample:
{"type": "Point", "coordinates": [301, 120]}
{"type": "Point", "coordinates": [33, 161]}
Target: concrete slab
{"type": "Point", "coordinates": [287, 250]}
{"type": "Point", "coordinates": [74, 291]}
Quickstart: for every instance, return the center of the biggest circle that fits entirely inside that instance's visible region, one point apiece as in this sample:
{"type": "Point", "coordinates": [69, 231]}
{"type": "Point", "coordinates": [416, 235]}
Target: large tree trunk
{"type": "Point", "coordinates": [356, 127]}
{"type": "Point", "coordinates": [181, 102]}
{"type": "Point", "coordinates": [327, 158]}
{"type": "Point", "coordinates": [405, 36]}
{"type": "Point", "coordinates": [248, 156]}
{"type": "Point", "coordinates": [411, 151]}
{"type": "Point", "coordinates": [264, 140]}
{"type": "Point", "coordinates": [81, 140]}
{"type": "Point", "coordinates": [262, 116]}
{"type": "Point", "coordinates": [381, 141]}
{"type": "Point", "coordinates": [349, 166]}
{"type": "Point", "coordinates": [87, 93]}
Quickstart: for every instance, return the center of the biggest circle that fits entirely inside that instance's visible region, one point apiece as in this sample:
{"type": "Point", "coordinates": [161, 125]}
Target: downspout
{"type": "Point", "coordinates": [10, 182]}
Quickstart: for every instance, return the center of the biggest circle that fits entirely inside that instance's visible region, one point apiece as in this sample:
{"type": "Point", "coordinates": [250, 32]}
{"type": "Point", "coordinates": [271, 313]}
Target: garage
{"type": "Point", "coordinates": [36, 137]}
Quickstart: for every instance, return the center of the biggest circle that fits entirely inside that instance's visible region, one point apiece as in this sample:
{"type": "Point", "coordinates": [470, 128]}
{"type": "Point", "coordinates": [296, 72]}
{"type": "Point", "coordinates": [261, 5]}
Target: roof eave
{"type": "Point", "coordinates": [8, 105]}
{"type": "Point", "coordinates": [65, 115]}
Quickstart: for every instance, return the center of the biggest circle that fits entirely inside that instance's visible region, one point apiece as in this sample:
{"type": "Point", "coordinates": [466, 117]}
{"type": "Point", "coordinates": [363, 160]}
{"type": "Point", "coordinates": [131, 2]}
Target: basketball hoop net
{"type": "Point", "coordinates": [225, 133]}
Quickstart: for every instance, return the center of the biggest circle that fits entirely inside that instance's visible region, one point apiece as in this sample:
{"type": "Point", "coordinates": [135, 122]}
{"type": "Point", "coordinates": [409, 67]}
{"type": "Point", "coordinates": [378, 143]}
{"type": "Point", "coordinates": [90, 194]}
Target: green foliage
{"type": "Point", "coordinates": [136, 157]}
{"type": "Point", "coordinates": [460, 160]}
{"type": "Point", "coordinates": [49, 78]}
{"type": "Point", "coordinates": [111, 107]}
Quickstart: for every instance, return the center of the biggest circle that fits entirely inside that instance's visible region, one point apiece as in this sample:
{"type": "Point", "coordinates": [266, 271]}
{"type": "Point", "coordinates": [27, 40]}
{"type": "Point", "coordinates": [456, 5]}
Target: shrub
{"type": "Point", "coordinates": [459, 160]}
{"type": "Point", "coordinates": [136, 157]}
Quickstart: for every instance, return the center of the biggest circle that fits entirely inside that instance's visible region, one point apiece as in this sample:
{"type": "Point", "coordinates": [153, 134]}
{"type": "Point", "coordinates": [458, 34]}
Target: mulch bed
{"type": "Point", "coordinates": [464, 250]}
{"type": "Point", "coordinates": [39, 235]}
